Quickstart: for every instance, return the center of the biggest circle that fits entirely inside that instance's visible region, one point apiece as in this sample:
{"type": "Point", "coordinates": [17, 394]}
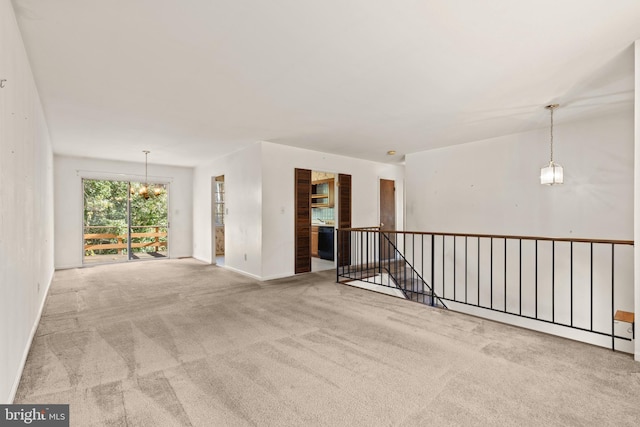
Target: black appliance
{"type": "Point", "coordinates": [325, 242]}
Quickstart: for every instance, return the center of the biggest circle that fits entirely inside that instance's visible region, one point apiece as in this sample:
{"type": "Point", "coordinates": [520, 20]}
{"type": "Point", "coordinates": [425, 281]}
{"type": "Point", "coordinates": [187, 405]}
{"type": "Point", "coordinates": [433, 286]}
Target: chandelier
{"type": "Point", "coordinates": [146, 190]}
{"type": "Point", "coordinates": [552, 173]}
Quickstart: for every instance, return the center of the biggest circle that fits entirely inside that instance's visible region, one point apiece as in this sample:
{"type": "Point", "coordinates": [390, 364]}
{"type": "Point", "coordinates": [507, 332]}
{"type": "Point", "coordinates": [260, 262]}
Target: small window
{"type": "Point", "coordinates": [219, 202]}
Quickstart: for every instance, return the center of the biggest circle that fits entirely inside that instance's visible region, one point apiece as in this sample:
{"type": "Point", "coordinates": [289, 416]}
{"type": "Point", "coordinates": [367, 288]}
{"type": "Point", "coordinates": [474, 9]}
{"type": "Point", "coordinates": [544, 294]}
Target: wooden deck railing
{"type": "Point", "coordinates": [121, 239]}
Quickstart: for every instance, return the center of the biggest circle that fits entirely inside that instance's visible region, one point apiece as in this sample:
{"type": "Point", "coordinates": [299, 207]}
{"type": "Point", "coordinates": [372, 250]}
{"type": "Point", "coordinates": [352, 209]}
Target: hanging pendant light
{"type": "Point", "coordinates": [146, 190]}
{"type": "Point", "coordinates": [552, 173]}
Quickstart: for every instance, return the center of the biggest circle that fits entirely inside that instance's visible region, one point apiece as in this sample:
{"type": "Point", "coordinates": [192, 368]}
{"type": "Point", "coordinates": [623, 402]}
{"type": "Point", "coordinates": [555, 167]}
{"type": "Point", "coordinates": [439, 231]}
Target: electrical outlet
{"type": "Point", "coordinates": [245, 257]}
{"type": "Point", "coordinates": [38, 287]}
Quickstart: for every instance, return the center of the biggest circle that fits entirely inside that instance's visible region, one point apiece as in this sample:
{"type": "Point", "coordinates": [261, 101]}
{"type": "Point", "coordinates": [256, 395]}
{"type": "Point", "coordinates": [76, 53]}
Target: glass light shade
{"type": "Point", "coordinates": [552, 174]}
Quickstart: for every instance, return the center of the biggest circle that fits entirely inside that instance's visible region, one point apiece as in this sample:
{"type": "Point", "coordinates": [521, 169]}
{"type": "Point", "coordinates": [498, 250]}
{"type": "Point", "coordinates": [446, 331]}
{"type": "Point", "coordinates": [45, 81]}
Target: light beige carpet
{"type": "Point", "coordinates": [177, 342]}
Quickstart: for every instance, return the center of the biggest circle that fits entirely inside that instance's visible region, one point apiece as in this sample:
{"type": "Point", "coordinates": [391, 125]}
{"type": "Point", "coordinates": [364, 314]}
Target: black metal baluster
{"type": "Point", "coordinates": [378, 250]}
{"type": "Point", "coordinates": [422, 264]}
{"type": "Point", "coordinates": [403, 273]}
{"type": "Point", "coordinates": [478, 271]}
{"type": "Point", "coordinates": [361, 254]}
{"type": "Point", "coordinates": [353, 254]}
{"type": "Point", "coordinates": [466, 273]}
{"type": "Point", "coordinates": [454, 268]}
{"type": "Point", "coordinates": [591, 281]}
{"type": "Point", "coordinates": [339, 252]}
{"type": "Point", "coordinates": [433, 270]}
{"type": "Point", "coordinates": [348, 249]}
{"type": "Point", "coordinates": [505, 275]}
{"type": "Point", "coordinates": [520, 276]}
{"type": "Point", "coordinates": [613, 323]}
{"type": "Point", "coordinates": [536, 280]}
{"type": "Point", "coordinates": [571, 283]}
{"type": "Point", "coordinates": [444, 293]}
{"type": "Point", "coordinates": [491, 272]}
{"type": "Point", "coordinates": [367, 233]}
{"type": "Point", "coordinates": [413, 262]}
{"type": "Point", "coordinates": [388, 255]}
{"type": "Point", "coordinates": [553, 281]}
{"type": "Point", "coordinates": [404, 268]}
{"type": "Point", "coordinates": [404, 243]}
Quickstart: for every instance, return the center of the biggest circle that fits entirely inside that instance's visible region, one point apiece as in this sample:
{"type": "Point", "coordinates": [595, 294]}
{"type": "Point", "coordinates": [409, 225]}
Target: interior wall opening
{"type": "Point", "coordinates": [217, 224]}
{"type": "Point", "coordinates": [329, 195]}
{"type": "Point", "coordinates": [323, 220]}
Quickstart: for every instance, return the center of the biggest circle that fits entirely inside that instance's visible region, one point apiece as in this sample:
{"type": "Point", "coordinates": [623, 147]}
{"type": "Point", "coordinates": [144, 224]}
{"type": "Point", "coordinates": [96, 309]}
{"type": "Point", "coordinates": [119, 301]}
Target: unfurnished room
{"type": "Point", "coordinates": [327, 213]}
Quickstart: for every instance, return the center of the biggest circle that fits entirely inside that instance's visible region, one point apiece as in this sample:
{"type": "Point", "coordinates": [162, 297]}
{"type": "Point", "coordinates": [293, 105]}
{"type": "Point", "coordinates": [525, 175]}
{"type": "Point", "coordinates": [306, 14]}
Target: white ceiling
{"type": "Point", "coordinates": [195, 79]}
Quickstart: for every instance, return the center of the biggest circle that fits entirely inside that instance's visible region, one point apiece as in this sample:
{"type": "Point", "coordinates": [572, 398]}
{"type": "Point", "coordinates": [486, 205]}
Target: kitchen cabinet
{"type": "Point", "coordinates": [323, 193]}
{"type": "Point", "coordinates": [314, 240]}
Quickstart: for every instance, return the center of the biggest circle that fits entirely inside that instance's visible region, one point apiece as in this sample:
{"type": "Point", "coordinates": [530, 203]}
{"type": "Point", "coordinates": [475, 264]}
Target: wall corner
{"type": "Point", "coordinates": [636, 191]}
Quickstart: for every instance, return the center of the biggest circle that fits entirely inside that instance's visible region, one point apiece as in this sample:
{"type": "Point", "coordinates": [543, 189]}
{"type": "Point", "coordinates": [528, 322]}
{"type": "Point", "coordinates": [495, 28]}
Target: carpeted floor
{"type": "Point", "coordinates": [177, 342]}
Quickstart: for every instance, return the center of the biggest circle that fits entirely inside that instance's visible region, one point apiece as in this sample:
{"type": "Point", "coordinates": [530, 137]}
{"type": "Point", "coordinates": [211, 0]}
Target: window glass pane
{"type": "Point", "coordinates": [219, 200]}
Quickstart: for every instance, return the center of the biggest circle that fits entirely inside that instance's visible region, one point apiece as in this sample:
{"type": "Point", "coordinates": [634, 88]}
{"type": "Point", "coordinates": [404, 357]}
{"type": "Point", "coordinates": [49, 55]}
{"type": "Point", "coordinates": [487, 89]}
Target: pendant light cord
{"type": "Point", "coordinates": [146, 179]}
{"type": "Point", "coordinates": [551, 159]}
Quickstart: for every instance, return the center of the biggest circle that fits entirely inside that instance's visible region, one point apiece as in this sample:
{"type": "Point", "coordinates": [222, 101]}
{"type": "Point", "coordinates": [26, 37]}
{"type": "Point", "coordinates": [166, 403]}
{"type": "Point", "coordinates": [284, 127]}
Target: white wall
{"type": "Point", "coordinates": [492, 187]}
{"type": "Point", "coordinates": [279, 163]}
{"type": "Point", "coordinates": [26, 205]}
{"type": "Point", "coordinates": [242, 172]}
{"type": "Point", "coordinates": [69, 172]}
{"type": "Point", "coordinates": [637, 195]}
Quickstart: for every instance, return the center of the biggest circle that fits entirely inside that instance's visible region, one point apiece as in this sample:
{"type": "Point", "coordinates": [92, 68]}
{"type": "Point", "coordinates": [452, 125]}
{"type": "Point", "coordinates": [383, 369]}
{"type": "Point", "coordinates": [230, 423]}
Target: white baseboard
{"type": "Point", "coordinates": [67, 267]}
{"type": "Point", "coordinates": [547, 328]}
{"type": "Point", "coordinates": [381, 289]}
{"type": "Point", "coordinates": [34, 328]}
{"type": "Point", "coordinates": [276, 276]}
{"type": "Point", "coordinates": [197, 258]}
{"type": "Point", "coordinates": [244, 273]}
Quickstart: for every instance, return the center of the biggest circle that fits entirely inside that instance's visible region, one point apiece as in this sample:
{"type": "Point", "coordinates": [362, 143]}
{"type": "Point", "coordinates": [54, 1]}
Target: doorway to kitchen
{"type": "Point", "coordinates": [323, 220]}
{"type": "Point", "coordinates": [124, 221]}
{"type": "Point", "coordinates": [322, 203]}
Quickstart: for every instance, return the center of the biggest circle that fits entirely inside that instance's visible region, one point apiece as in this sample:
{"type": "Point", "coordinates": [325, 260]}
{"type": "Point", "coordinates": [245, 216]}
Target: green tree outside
{"type": "Point", "coordinates": [105, 212]}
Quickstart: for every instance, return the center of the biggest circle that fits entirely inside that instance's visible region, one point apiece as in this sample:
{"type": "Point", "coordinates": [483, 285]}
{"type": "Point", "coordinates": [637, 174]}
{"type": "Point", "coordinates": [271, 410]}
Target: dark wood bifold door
{"type": "Point", "coordinates": [344, 219]}
{"type": "Point", "coordinates": [303, 220]}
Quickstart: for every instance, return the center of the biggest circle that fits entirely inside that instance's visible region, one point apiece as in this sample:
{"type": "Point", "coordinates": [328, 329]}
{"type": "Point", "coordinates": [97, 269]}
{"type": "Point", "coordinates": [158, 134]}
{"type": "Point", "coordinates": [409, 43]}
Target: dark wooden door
{"type": "Point", "coordinates": [344, 219]}
{"type": "Point", "coordinates": [387, 217]}
{"type": "Point", "coordinates": [302, 221]}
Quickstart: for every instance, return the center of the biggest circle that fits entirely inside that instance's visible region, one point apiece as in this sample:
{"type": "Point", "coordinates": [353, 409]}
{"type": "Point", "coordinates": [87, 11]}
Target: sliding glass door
{"type": "Point", "coordinates": [148, 222]}
{"type": "Point", "coordinates": [123, 223]}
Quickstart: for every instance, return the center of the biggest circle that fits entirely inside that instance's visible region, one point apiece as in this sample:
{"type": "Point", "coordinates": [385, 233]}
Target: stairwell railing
{"type": "Point", "coordinates": [573, 283]}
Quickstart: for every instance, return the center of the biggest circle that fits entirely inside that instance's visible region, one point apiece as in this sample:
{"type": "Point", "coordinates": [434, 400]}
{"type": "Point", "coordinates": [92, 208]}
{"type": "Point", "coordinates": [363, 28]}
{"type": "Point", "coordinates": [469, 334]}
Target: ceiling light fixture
{"type": "Point", "coordinates": [147, 191]}
{"type": "Point", "coordinates": [552, 173]}
{"type": "Point", "coordinates": [391, 152]}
